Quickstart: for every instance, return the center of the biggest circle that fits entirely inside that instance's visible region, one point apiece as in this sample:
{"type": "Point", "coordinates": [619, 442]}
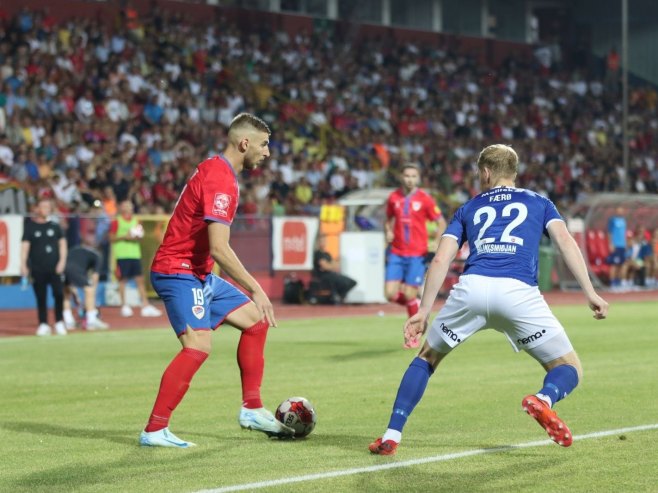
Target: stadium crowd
{"type": "Point", "coordinates": [90, 111]}
{"type": "Point", "coordinates": [93, 112]}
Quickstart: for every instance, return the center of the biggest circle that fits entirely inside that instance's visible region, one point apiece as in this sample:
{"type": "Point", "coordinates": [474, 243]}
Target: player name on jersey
{"type": "Point", "coordinates": [495, 248]}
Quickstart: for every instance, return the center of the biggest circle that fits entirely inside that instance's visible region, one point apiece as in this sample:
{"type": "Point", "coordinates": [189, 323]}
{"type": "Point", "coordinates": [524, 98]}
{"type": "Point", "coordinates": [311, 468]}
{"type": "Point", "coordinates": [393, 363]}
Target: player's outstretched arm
{"type": "Point", "coordinates": [222, 253]}
{"type": "Point", "coordinates": [572, 256]}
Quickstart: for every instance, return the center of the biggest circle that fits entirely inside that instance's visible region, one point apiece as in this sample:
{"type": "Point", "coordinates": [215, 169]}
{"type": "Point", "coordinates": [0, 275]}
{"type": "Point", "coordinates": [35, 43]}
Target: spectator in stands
{"type": "Point", "coordinates": [638, 267]}
{"type": "Point", "coordinates": [83, 264]}
{"type": "Point", "coordinates": [303, 193]}
{"type": "Point", "coordinates": [633, 263]}
{"type": "Point", "coordinates": [126, 233]}
{"type": "Point", "coordinates": [6, 152]}
{"type": "Point", "coordinates": [43, 257]}
{"type": "Point", "coordinates": [66, 97]}
{"type": "Point", "coordinates": [646, 254]}
{"type": "Point", "coordinates": [326, 271]}
{"type": "Point", "coordinates": [617, 241]}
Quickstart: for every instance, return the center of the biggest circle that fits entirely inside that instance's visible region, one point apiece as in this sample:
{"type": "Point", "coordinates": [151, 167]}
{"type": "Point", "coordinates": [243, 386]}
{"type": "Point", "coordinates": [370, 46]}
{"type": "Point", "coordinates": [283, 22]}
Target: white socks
{"type": "Point", "coordinates": [68, 317]}
{"type": "Point", "coordinates": [546, 399]}
{"type": "Point", "coordinates": [394, 435]}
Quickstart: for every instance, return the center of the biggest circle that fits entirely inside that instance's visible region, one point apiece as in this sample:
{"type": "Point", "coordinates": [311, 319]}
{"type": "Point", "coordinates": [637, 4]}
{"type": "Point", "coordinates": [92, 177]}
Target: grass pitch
{"type": "Point", "coordinates": [71, 410]}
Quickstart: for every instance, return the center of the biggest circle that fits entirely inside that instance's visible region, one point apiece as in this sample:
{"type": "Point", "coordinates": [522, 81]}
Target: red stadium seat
{"type": "Point", "coordinates": [597, 248]}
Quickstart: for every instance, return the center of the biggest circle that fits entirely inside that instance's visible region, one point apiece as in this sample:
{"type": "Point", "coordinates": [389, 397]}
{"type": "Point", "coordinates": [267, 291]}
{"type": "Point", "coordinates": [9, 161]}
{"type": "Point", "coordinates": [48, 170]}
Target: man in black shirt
{"type": "Point", "coordinates": [83, 264]}
{"type": "Point", "coordinates": [43, 256]}
{"type": "Point", "coordinates": [325, 270]}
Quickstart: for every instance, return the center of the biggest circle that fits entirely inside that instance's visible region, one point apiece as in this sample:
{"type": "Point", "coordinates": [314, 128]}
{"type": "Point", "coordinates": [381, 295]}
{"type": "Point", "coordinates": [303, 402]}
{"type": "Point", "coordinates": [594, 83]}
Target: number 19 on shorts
{"type": "Point", "coordinates": [197, 293]}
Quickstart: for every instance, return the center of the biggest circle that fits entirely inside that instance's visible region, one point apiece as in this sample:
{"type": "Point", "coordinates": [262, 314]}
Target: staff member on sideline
{"type": "Point", "coordinates": [43, 256]}
{"type": "Point", "coordinates": [126, 233]}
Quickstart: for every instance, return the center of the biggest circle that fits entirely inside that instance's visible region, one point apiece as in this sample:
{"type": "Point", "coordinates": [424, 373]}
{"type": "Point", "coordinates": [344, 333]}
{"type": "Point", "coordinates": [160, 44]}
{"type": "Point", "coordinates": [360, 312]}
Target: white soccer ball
{"type": "Point", "coordinates": [137, 231]}
{"type": "Point", "coordinates": [297, 413]}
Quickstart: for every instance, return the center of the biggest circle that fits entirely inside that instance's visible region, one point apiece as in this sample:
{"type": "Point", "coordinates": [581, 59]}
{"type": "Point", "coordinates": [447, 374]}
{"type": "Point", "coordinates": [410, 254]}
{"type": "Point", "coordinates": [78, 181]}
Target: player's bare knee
{"type": "Point", "coordinates": [575, 362]}
{"type": "Point", "coordinates": [245, 317]}
{"type": "Point", "coordinates": [570, 359]}
{"type": "Point", "coordinates": [201, 340]}
{"type": "Point", "coordinates": [431, 355]}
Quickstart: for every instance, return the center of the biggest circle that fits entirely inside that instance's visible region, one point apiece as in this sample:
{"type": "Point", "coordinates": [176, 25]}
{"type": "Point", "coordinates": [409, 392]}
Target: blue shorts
{"type": "Point", "coordinates": [617, 257]}
{"type": "Point", "coordinates": [191, 302]}
{"type": "Point", "coordinates": [409, 270]}
{"type": "Point", "coordinates": [128, 268]}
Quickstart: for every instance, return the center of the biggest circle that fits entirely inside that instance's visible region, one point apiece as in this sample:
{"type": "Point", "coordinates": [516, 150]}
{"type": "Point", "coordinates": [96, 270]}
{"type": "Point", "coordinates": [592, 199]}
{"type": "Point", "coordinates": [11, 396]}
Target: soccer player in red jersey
{"type": "Point", "coordinates": [407, 211]}
{"type": "Point", "coordinates": [198, 301]}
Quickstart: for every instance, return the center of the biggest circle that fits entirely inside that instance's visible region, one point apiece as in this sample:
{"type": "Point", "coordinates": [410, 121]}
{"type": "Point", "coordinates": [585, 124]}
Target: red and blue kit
{"type": "Point", "coordinates": [211, 194]}
{"type": "Point", "coordinates": [181, 270]}
{"type": "Point", "coordinates": [411, 213]}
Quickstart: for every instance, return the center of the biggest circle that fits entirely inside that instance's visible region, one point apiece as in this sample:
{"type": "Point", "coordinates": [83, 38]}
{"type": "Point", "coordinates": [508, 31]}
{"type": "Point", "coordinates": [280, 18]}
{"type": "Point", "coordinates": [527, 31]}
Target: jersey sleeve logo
{"type": "Point", "coordinates": [221, 204]}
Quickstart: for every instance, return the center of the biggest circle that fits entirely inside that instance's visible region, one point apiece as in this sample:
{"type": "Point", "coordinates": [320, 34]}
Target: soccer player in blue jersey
{"type": "Point", "coordinates": [498, 289]}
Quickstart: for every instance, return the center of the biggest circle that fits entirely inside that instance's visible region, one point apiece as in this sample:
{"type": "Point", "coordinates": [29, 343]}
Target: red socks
{"type": "Point", "coordinates": [178, 375]}
{"type": "Point", "coordinates": [400, 299]}
{"type": "Point", "coordinates": [412, 307]}
{"type": "Point", "coordinates": [252, 363]}
{"type": "Point", "coordinates": [175, 382]}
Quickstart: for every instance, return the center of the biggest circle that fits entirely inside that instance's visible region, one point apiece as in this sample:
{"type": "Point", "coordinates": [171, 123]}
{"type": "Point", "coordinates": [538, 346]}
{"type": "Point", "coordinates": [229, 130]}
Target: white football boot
{"type": "Point", "coordinates": [263, 420]}
{"type": "Point", "coordinates": [163, 438]}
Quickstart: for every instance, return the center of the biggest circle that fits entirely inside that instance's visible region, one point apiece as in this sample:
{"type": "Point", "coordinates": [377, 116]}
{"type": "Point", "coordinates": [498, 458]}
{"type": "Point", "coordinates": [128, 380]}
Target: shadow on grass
{"type": "Point", "coordinates": [123, 437]}
{"type": "Point", "coordinates": [357, 355]}
{"type": "Point", "coordinates": [80, 472]}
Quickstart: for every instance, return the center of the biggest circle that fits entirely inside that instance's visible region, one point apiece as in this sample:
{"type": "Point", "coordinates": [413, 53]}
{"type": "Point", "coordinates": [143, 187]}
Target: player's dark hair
{"type": "Point", "coordinates": [249, 120]}
{"type": "Point", "coordinates": [406, 166]}
{"type": "Point", "coordinates": [500, 159]}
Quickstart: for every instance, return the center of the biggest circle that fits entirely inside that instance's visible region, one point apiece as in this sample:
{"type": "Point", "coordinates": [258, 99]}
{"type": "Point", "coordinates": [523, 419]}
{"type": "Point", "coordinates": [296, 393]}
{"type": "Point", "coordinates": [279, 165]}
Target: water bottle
{"type": "Point", "coordinates": [25, 283]}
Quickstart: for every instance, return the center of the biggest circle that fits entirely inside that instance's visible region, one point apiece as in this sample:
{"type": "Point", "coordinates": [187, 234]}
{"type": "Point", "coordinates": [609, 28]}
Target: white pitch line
{"type": "Point", "coordinates": [415, 462]}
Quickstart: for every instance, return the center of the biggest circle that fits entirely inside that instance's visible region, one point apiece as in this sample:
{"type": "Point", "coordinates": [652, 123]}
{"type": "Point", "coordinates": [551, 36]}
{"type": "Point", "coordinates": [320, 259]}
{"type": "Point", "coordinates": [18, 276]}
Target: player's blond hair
{"type": "Point", "coordinates": [247, 121]}
{"type": "Point", "coordinates": [500, 159]}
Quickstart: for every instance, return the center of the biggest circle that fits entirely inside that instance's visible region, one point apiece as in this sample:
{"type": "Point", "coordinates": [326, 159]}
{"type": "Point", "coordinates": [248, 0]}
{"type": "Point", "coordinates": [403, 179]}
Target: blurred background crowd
{"type": "Point", "coordinates": [96, 113]}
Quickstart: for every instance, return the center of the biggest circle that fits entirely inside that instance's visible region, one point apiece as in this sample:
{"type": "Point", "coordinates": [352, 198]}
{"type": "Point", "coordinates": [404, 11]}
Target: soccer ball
{"type": "Point", "coordinates": [298, 414]}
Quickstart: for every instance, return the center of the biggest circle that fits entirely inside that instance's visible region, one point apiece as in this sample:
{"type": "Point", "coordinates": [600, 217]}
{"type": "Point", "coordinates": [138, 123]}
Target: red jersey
{"type": "Point", "coordinates": [411, 213]}
{"type": "Point", "coordinates": [211, 194]}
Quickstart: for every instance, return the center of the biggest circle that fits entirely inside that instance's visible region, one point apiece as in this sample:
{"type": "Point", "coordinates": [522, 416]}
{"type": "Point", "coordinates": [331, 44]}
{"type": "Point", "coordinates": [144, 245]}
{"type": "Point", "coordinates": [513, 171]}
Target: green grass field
{"type": "Point", "coordinates": [71, 410]}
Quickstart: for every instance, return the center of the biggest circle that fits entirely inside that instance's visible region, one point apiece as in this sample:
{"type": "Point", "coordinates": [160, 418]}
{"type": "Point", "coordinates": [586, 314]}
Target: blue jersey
{"type": "Point", "coordinates": [617, 231]}
{"type": "Point", "coordinates": [503, 228]}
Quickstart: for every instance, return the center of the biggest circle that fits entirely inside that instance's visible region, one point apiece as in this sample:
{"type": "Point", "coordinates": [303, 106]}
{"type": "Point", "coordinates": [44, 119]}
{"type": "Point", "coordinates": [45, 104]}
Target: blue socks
{"type": "Point", "coordinates": [559, 382]}
{"type": "Point", "coordinates": [411, 390]}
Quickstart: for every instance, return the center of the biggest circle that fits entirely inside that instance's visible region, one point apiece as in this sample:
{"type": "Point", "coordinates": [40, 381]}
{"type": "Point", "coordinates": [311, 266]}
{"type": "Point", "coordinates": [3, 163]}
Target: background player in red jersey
{"type": "Point", "coordinates": [407, 211]}
{"type": "Point", "coordinates": [198, 301]}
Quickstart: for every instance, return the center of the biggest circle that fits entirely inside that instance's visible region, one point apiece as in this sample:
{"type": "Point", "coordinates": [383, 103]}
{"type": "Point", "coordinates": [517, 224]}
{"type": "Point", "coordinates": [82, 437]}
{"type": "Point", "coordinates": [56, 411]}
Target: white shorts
{"type": "Point", "coordinates": [508, 305]}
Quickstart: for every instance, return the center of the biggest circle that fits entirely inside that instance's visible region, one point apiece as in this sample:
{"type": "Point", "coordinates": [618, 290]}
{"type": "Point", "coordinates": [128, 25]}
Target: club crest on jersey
{"type": "Point", "coordinates": [221, 204]}
{"type": "Point", "coordinates": [416, 205]}
{"type": "Point", "coordinates": [198, 311]}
